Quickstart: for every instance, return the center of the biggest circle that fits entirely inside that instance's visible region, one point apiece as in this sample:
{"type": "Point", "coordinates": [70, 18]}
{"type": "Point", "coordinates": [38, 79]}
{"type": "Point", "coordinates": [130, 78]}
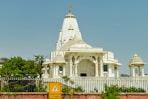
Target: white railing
{"type": "Point", "coordinates": [89, 84]}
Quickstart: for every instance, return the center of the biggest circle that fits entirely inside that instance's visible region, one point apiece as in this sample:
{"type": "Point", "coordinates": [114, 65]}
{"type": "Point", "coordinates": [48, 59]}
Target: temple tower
{"type": "Point", "coordinates": [69, 30]}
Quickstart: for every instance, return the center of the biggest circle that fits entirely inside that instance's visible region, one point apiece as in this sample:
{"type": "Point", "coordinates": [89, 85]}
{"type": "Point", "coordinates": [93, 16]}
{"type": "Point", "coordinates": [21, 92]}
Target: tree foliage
{"type": "Point", "coordinates": [18, 67]}
{"type": "Point", "coordinates": [111, 92]}
{"type": "Point", "coordinates": [39, 60]}
{"type": "Point", "coordinates": [68, 89]}
{"type": "Point", "coordinates": [130, 89]}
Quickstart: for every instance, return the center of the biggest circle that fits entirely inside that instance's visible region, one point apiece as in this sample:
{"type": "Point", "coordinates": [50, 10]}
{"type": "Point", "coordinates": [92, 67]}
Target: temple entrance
{"type": "Point", "coordinates": [83, 74]}
{"type": "Point", "coordinates": [86, 68]}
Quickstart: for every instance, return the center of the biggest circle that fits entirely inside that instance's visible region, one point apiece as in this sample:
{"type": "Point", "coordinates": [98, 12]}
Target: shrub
{"type": "Point", "coordinates": [130, 89]}
{"type": "Point", "coordinates": [111, 92]}
{"type": "Point", "coordinates": [79, 89]}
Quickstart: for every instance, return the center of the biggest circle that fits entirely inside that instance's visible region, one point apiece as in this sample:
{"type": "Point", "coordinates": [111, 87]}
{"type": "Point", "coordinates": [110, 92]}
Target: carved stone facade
{"type": "Point", "coordinates": [75, 58]}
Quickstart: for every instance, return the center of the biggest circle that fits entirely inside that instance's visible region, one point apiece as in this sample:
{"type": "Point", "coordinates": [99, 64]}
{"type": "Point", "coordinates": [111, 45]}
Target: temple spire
{"type": "Point", "coordinates": [69, 8]}
{"type": "Point", "coordinates": [69, 29]}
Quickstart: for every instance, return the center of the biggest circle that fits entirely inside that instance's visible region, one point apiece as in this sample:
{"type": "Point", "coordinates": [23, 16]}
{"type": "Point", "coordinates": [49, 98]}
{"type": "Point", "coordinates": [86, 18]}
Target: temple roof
{"type": "Point", "coordinates": [75, 42]}
{"type": "Point", "coordinates": [114, 62]}
{"type": "Point", "coordinates": [59, 60]}
{"type": "Point", "coordinates": [136, 61]}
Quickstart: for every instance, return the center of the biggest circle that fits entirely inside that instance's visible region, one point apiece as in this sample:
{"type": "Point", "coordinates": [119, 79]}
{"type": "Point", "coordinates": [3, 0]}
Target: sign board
{"type": "Point", "coordinates": [54, 90]}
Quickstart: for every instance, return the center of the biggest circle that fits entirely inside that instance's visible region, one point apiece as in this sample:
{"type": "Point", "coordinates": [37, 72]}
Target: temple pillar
{"type": "Point", "coordinates": [63, 70]}
{"type": "Point", "coordinates": [139, 72]}
{"type": "Point", "coordinates": [51, 71]}
{"type": "Point", "coordinates": [109, 70]}
{"type": "Point", "coordinates": [130, 71]}
{"type": "Point", "coordinates": [96, 68]}
{"type": "Point", "coordinates": [133, 71]}
{"type": "Point", "coordinates": [117, 72]}
{"type": "Point", "coordinates": [76, 69]}
{"type": "Point", "coordinates": [70, 66]}
{"type": "Point", "coordinates": [101, 66]}
{"type": "Point", "coordinates": [56, 71]}
{"type": "Point", "coordinates": [142, 71]}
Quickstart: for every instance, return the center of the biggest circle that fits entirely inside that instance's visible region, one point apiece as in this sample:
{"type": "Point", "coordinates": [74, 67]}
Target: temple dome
{"type": "Point", "coordinates": [136, 61]}
{"type": "Point", "coordinates": [75, 42]}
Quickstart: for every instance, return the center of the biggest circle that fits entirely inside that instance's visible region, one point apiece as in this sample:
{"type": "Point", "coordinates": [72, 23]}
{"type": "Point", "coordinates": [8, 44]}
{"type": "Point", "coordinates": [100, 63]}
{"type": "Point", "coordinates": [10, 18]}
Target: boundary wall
{"type": "Point", "coordinates": [44, 95]}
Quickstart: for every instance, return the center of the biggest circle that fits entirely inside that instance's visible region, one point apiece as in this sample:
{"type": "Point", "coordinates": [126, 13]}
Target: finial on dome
{"type": "Point", "coordinates": [69, 8]}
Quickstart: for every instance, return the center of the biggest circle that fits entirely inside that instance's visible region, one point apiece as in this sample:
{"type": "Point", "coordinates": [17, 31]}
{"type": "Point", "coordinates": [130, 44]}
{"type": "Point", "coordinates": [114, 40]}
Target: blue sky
{"type": "Point", "coordinates": [31, 27]}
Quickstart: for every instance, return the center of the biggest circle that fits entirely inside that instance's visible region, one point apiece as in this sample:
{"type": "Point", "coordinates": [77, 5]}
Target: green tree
{"type": "Point", "coordinates": [39, 60]}
{"type": "Point", "coordinates": [17, 67]}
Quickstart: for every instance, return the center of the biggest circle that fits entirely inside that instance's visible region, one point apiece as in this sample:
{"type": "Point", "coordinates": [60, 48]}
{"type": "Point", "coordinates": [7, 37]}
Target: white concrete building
{"type": "Point", "coordinates": [75, 58]}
